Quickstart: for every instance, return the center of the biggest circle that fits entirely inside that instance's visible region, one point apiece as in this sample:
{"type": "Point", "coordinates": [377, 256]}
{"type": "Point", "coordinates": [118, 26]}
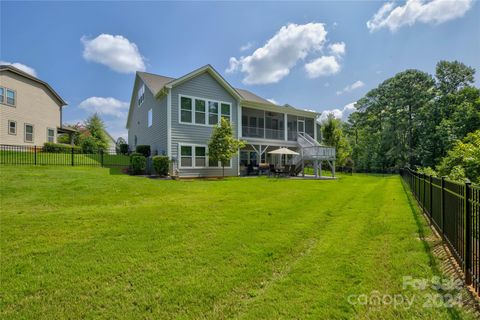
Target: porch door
{"type": "Point", "coordinates": [301, 126]}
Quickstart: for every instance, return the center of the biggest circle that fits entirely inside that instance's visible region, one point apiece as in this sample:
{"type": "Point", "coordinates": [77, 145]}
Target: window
{"type": "Point", "coordinates": [212, 112]}
{"type": "Point", "coordinates": [213, 163]}
{"type": "Point", "coordinates": [11, 97]}
{"type": "Point", "coordinates": [225, 109]}
{"type": "Point", "coordinates": [186, 156]}
{"type": "Point", "coordinates": [149, 120]}
{"type": "Point", "coordinates": [200, 157]}
{"type": "Point", "coordinates": [2, 94]}
{"type": "Point", "coordinates": [141, 95]}
{"type": "Point", "coordinates": [50, 135]}
{"type": "Point", "coordinates": [12, 127]}
{"type": "Point", "coordinates": [28, 133]}
{"type": "Point", "coordinates": [200, 111]}
{"type": "Point", "coordinates": [186, 110]}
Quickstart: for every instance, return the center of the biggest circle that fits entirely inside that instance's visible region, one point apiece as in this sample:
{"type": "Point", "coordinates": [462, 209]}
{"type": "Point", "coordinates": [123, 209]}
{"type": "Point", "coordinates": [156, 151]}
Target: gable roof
{"type": "Point", "coordinates": [11, 68]}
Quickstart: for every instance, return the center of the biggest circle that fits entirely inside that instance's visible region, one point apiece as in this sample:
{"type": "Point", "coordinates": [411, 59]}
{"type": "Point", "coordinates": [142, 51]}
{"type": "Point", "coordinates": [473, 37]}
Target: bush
{"type": "Point", "coordinates": [138, 164]}
{"type": "Point", "coordinates": [60, 148]}
{"type": "Point", "coordinates": [143, 149]}
{"type": "Point", "coordinates": [161, 165]}
{"type": "Point", "coordinates": [89, 145]}
{"type": "Point", "coordinates": [123, 148]}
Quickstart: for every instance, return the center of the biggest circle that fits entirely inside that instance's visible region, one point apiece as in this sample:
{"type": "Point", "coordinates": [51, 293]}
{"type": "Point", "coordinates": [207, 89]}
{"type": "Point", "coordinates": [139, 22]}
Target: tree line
{"type": "Point", "coordinates": [417, 120]}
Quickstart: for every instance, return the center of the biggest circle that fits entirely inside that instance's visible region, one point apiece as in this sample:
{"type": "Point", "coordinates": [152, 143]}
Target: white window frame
{"type": "Point", "coordinates": [150, 117]}
{"type": "Point", "coordinates": [25, 132]}
{"type": "Point", "coordinates": [9, 122]}
{"type": "Point", "coordinates": [53, 135]}
{"type": "Point", "coordinates": [141, 95]}
{"type": "Point", "coordinates": [207, 160]}
{"type": "Point", "coordinates": [3, 95]}
{"type": "Point", "coordinates": [207, 111]}
{"type": "Point", "coordinates": [14, 97]}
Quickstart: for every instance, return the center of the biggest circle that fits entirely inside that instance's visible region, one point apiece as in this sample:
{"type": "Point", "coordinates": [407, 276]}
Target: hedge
{"type": "Point", "coordinates": [143, 149]}
{"type": "Point", "coordinates": [161, 165]}
{"type": "Point", "coordinates": [60, 148]}
{"type": "Point", "coordinates": [138, 164]}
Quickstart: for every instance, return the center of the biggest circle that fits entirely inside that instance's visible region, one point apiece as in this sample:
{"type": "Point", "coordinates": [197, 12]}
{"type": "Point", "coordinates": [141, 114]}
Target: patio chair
{"type": "Point", "coordinates": [273, 171]}
{"type": "Point", "coordinates": [286, 170]}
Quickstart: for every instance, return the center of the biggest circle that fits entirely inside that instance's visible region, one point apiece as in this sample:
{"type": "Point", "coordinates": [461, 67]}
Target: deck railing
{"type": "Point", "coordinates": [454, 211]}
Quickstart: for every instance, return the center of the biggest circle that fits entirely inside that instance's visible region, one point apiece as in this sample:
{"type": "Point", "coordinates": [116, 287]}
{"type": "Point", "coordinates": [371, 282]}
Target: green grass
{"type": "Point", "coordinates": [81, 243]}
{"type": "Point", "coordinates": [42, 158]}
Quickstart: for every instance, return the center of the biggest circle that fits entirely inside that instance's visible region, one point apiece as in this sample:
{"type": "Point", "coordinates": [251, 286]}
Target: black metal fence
{"type": "Point", "coordinates": [454, 211]}
{"type": "Point", "coordinates": [67, 156]}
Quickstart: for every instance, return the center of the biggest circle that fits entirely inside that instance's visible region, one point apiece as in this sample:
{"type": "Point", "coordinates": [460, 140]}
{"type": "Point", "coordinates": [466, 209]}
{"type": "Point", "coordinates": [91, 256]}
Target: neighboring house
{"type": "Point", "coordinates": [112, 144]}
{"type": "Point", "coordinates": [30, 110]}
{"type": "Point", "coordinates": [176, 117]}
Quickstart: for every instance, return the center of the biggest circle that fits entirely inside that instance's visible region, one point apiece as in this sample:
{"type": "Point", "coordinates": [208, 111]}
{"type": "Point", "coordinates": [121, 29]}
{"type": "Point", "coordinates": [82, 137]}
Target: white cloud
{"type": "Point", "coordinates": [413, 11]}
{"type": "Point", "coordinates": [337, 49]}
{"type": "Point", "coordinates": [247, 46]}
{"type": "Point", "coordinates": [323, 66]}
{"type": "Point", "coordinates": [356, 85]}
{"type": "Point", "coordinates": [20, 66]}
{"type": "Point", "coordinates": [105, 106]}
{"type": "Point", "coordinates": [273, 61]}
{"type": "Point", "coordinates": [342, 114]}
{"type": "Point", "coordinates": [116, 52]}
{"type": "Point", "coordinates": [273, 101]}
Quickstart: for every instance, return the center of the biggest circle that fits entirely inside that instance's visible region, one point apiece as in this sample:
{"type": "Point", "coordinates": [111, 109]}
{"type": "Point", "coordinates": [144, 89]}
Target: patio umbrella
{"type": "Point", "coordinates": [284, 151]}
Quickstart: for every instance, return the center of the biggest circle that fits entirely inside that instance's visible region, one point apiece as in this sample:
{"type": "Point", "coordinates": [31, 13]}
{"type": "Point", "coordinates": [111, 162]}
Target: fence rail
{"type": "Point", "coordinates": [454, 211]}
{"type": "Point", "coordinates": [68, 156]}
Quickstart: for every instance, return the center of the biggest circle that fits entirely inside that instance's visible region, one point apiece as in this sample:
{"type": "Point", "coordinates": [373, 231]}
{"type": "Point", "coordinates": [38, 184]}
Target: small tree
{"type": "Point", "coordinates": [96, 127]}
{"type": "Point", "coordinates": [223, 146]}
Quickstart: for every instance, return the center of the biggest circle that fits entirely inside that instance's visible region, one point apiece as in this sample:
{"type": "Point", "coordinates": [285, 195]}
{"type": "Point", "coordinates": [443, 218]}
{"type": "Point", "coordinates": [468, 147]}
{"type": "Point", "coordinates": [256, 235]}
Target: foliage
{"type": "Point", "coordinates": [138, 164]}
{"type": "Point", "coordinates": [463, 160]}
{"type": "Point", "coordinates": [161, 165]}
{"type": "Point", "coordinates": [428, 171]}
{"type": "Point", "coordinates": [334, 136]}
{"type": "Point", "coordinates": [143, 149]}
{"type": "Point", "coordinates": [118, 145]}
{"type": "Point", "coordinates": [95, 127]}
{"type": "Point", "coordinates": [123, 148]}
{"type": "Point", "coordinates": [89, 144]}
{"type": "Point", "coordinates": [223, 146]}
{"type": "Point", "coordinates": [60, 148]}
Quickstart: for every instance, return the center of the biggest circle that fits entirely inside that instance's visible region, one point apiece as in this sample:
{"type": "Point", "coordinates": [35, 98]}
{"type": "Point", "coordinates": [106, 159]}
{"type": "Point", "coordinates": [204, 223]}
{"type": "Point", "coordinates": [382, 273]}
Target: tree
{"type": "Point", "coordinates": [223, 146]}
{"type": "Point", "coordinates": [96, 128]}
{"type": "Point", "coordinates": [333, 135]}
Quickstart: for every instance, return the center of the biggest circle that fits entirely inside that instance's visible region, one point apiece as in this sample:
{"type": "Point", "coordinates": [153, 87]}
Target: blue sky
{"type": "Point", "coordinates": [320, 55]}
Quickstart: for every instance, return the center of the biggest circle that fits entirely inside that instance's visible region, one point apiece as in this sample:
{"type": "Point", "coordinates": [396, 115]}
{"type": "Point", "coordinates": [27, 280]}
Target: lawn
{"type": "Point", "coordinates": [83, 243]}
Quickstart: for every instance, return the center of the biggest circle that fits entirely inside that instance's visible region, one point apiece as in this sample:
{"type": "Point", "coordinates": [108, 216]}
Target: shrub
{"type": "Point", "coordinates": [143, 149]}
{"type": "Point", "coordinates": [89, 145]}
{"type": "Point", "coordinates": [123, 148]}
{"type": "Point", "coordinates": [161, 165]}
{"type": "Point", "coordinates": [138, 164]}
{"type": "Point", "coordinates": [60, 148]}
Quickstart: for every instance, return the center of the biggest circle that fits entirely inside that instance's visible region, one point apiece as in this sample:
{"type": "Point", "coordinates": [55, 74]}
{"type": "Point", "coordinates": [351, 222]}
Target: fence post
{"type": "Point", "coordinates": [423, 200]}
{"type": "Point", "coordinates": [101, 157]}
{"type": "Point", "coordinates": [35, 149]}
{"type": "Point", "coordinates": [72, 158]}
{"type": "Point", "coordinates": [431, 199]}
{"type": "Point", "coordinates": [443, 206]}
{"type": "Point", "coordinates": [468, 234]}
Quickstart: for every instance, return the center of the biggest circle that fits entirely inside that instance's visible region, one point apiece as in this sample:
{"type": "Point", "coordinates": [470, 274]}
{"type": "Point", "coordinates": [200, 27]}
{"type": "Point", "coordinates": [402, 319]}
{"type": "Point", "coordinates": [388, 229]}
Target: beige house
{"type": "Point", "coordinates": [30, 110]}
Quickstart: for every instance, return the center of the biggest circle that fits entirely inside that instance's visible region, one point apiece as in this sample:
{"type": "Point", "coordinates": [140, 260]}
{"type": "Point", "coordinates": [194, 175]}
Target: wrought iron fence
{"type": "Point", "coordinates": [454, 211]}
{"type": "Point", "coordinates": [65, 156]}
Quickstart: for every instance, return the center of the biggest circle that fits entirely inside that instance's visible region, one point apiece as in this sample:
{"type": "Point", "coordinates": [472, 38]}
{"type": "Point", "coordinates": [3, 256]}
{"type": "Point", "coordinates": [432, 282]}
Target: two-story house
{"type": "Point", "coordinates": [176, 116]}
{"type": "Point", "coordinates": [30, 110]}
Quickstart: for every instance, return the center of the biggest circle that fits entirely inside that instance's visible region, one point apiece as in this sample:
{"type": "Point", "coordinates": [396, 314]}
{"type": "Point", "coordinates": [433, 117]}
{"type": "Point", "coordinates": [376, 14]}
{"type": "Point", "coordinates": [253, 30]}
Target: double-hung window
{"type": "Point", "coordinates": [141, 95]}
{"type": "Point", "coordinates": [150, 118]}
{"type": "Point", "coordinates": [50, 135]}
{"type": "Point", "coordinates": [200, 111]}
{"type": "Point", "coordinates": [200, 157]}
{"type": "Point", "coordinates": [212, 112]}
{"type": "Point", "coordinates": [28, 132]}
{"type": "Point", "coordinates": [193, 156]}
{"type": "Point", "coordinates": [11, 97]}
{"type": "Point", "coordinates": [12, 127]}
{"type": "Point", "coordinates": [2, 94]}
{"type": "Point", "coordinates": [186, 110]}
{"type": "Point", "coordinates": [225, 111]}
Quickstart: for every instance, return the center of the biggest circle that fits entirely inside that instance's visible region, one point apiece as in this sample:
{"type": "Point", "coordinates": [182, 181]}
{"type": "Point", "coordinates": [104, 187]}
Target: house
{"type": "Point", "coordinates": [112, 144]}
{"type": "Point", "coordinates": [175, 116]}
{"type": "Point", "coordinates": [30, 110]}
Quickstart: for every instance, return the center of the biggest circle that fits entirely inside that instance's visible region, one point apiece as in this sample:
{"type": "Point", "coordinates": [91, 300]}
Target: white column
{"type": "Point", "coordinates": [239, 119]}
{"type": "Point", "coordinates": [315, 128]}
{"type": "Point", "coordinates": [285, 117]}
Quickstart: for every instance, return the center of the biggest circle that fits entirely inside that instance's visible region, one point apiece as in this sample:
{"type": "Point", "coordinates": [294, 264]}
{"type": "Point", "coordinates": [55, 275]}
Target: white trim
{"type": "Point", "coordinates": [25, 132]}
{"type": "Point", "coordinates": [169, 124]}
{"type": "Point", "coordinates": [149, 117]}
{"type": "Point", "coordinates": [207, 111]}
{"type": "Point", "coordinates": [285, 127]}
{"type": "Point", "coordinates": [193, 145]}
{"type": "Point", "coordinates": [142, 89]}
{"type": "Point", "coordinates": [303, 121]}
{"type": "Point", "coordinates": [315, 129]}
{"type": "Point", "coordinates": [53, 134]}
{"type": "Point", "coordinates": [16, 127]}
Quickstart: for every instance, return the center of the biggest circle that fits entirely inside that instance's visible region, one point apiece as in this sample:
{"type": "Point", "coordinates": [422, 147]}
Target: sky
{"type": "Point", "coordinates": [320, 56]}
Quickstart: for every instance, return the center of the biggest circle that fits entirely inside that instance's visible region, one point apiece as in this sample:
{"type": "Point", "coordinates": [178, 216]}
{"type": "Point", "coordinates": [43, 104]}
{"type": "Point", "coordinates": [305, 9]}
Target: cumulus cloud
{"type": "Point", "coordinates": [356, 85]}
{"type": "Point", "coordinates": [323, 66]}
{"type": "Point", "coordinates": [105, 106]}
{"type": "Point", "coordinates": [413, 11]}
{"type": "Point", "coordinates": [246, 46]}
{"type": "Point", "coordinates": [337, 49]}
{"type": "Point", "coordinates": [20, 66]}
{"type": "Point", "coordinates": [342, 114]}
{"type": "Point", "coordinates": [116, 52]}
{"type": "Point", "coordinates": [273, 61]}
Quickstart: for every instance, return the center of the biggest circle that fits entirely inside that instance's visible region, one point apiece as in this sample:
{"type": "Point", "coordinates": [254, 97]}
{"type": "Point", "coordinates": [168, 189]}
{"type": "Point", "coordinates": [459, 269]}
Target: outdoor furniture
{"type": "Point", "coordinates": [286, 170]}
{"type": "Point", "coordinates": [273, 170]}
{"type": "Point", "coordinates": [293, 171]}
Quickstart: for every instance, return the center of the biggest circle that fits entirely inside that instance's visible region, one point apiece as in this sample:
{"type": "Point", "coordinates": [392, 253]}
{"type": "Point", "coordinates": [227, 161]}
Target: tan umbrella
{"type": "Point", "coordinates": [284, 151]}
